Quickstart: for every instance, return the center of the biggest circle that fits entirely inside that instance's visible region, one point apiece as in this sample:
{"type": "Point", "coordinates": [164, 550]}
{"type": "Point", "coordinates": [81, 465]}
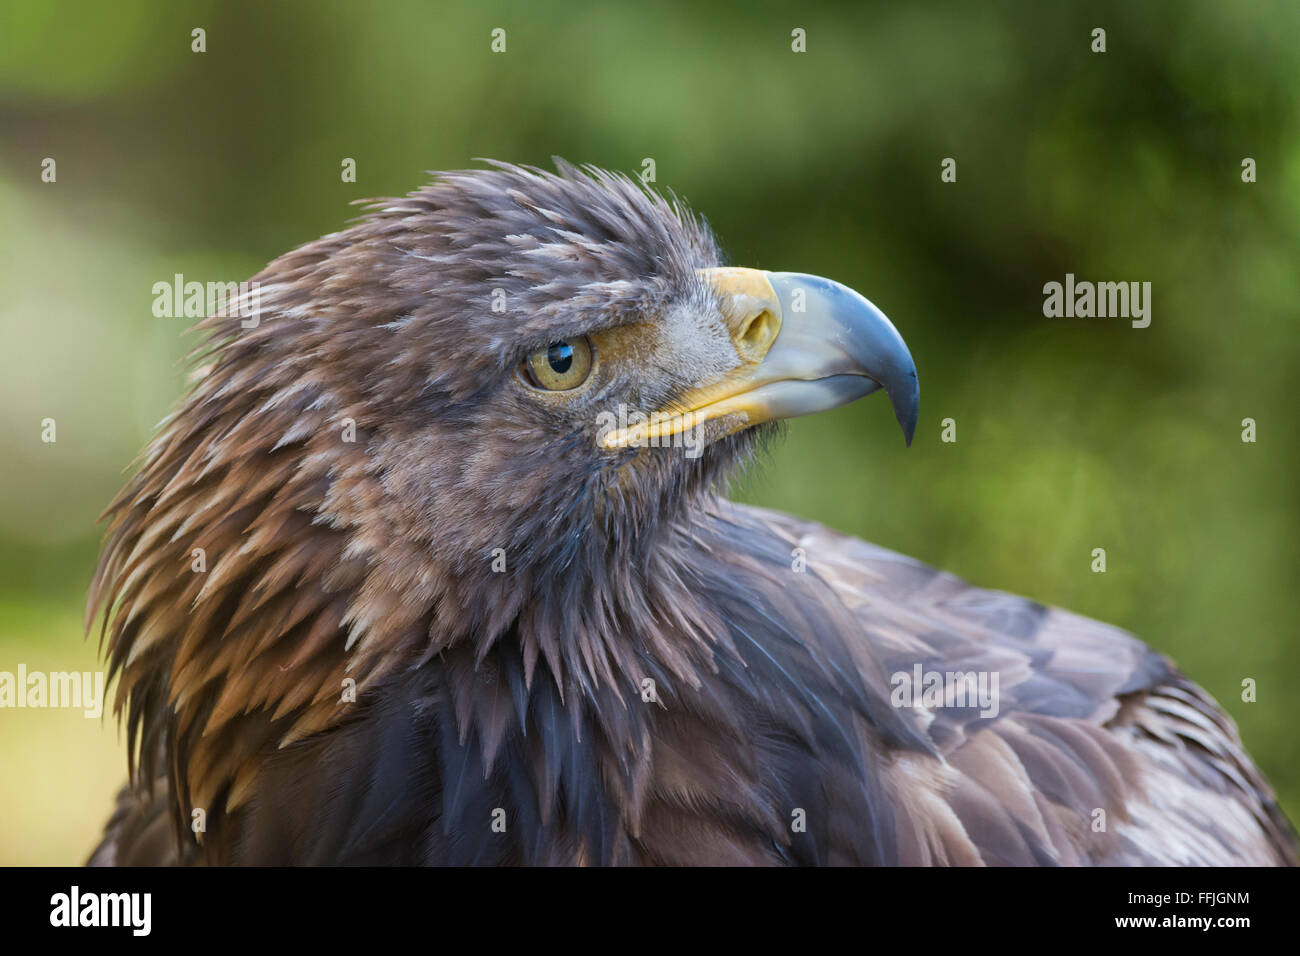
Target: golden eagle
{"type": "Point", "coordinates": [431, 566]}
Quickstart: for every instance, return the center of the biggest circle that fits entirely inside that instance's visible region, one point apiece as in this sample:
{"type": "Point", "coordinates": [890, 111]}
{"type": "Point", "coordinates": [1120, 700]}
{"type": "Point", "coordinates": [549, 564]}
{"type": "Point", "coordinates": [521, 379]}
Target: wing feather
{"type": "Point", "coordinates": [1100, 751]}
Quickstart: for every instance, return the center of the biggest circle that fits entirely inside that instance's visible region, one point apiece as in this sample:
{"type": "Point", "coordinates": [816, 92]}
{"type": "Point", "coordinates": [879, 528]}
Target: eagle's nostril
{"type": "Point", "coordinates": [756, 337]}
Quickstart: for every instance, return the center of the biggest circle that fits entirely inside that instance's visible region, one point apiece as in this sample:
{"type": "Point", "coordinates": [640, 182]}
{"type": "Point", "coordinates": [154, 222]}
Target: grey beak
{"type": "Point", "coordinates": [842, 347]}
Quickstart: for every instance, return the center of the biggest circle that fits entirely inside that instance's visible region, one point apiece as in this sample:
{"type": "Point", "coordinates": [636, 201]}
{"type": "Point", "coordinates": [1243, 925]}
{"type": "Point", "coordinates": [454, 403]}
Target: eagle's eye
{"type": "Point", "coordinates": [560, 366]}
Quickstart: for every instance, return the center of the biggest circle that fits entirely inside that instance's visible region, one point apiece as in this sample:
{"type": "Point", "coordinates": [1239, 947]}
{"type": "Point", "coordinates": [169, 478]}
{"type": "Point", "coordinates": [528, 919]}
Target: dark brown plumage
{"type": "Point", "coordinates": [500, 711]}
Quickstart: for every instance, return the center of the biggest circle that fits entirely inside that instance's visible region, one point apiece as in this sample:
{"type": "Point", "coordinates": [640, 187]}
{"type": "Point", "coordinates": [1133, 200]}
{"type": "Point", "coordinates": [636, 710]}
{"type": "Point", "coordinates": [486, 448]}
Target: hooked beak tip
{"type": "Point", "coordinates": [907, 409]}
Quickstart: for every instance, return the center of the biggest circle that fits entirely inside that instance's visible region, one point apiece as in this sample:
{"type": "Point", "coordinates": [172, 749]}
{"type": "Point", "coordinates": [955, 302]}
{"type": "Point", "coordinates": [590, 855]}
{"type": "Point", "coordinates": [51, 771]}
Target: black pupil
{"type": "Point", "coordinates": [560, 356]}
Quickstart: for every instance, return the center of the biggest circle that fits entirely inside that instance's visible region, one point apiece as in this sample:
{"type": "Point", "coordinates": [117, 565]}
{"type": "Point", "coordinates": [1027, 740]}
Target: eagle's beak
{"type": "Point", "coordinates": [806, 345]}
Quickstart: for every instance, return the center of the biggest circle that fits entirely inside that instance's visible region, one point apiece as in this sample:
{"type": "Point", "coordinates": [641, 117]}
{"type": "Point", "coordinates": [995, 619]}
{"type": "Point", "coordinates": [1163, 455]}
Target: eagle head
{"type": "Point", "coordinates": [534, 360]}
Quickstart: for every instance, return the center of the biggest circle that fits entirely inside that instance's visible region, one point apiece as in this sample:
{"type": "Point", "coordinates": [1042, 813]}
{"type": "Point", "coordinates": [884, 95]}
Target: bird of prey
{"type": "Point", "coordinates": [433, 566]}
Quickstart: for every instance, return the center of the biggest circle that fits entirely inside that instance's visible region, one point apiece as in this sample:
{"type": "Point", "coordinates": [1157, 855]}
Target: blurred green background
{"type": "Point", "coordinates": [1072, 433]}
